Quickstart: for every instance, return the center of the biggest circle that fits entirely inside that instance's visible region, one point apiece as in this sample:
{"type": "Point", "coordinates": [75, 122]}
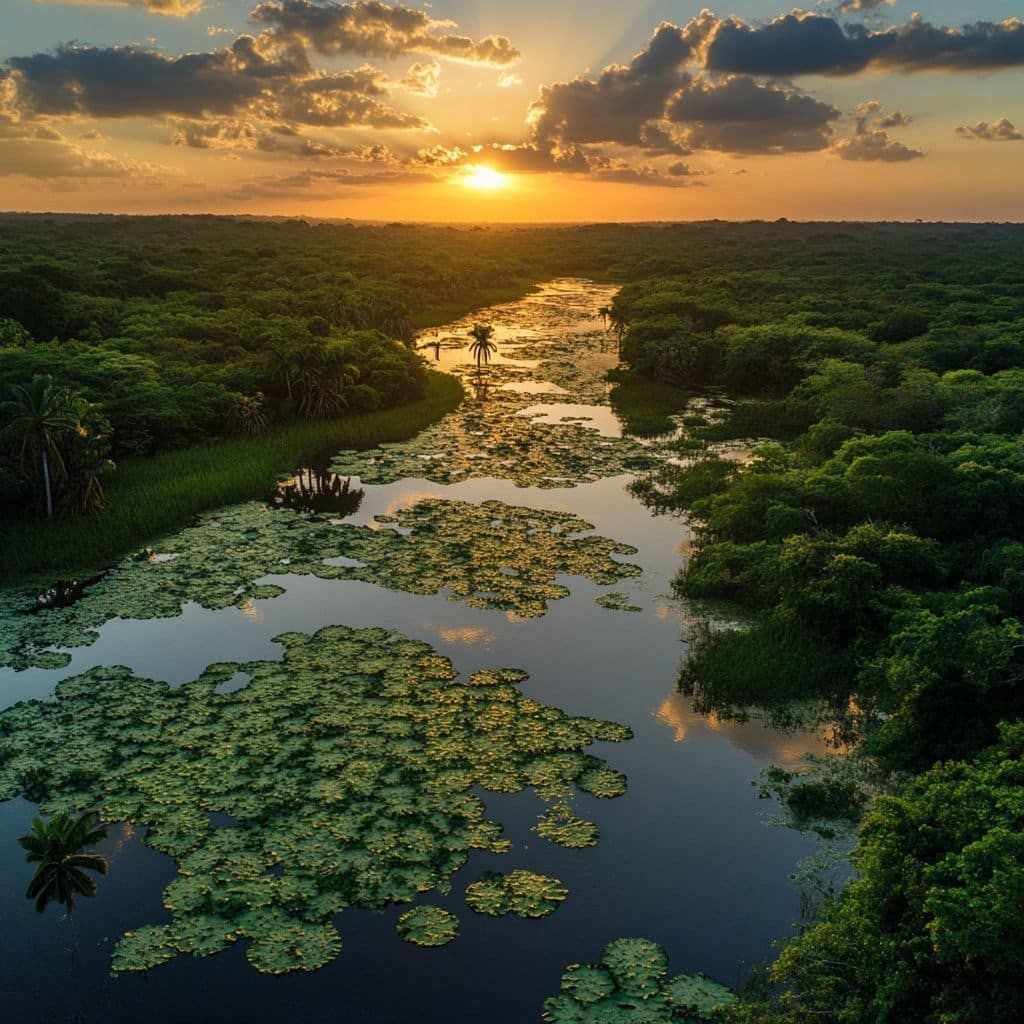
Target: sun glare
{"type": "Point", "coordinates": [483, 177]}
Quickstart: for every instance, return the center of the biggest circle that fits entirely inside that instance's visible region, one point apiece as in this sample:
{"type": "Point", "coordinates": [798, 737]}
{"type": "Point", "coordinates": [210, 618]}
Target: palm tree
{"type": "Point", "coordinates": [604, 313]}
{"type": "Point", "coordinates": [482, 347]}
{"type": "Point", "coordinates": [246, 416]}
{"type": "Point", "coordinates": [58, 846]}
{"type": "Point", "coordinates": [42, 415]}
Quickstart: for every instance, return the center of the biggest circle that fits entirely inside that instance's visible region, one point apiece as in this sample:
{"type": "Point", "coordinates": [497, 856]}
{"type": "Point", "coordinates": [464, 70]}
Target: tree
{"type": "Point", "coordinates": [604, 313]}
{"type": "Point", "coordinates": [482, 347]}
{"type": "Point", "coordinates": [60, 848]}
{"type": "Point", "coordinates": [246, 415]}
{"type": "Point", "coordinates": [42, 415]}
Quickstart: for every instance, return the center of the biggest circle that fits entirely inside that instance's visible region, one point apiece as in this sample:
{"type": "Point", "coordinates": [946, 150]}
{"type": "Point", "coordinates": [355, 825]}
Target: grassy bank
{"type": "Point", "coordinates": [152, 495]}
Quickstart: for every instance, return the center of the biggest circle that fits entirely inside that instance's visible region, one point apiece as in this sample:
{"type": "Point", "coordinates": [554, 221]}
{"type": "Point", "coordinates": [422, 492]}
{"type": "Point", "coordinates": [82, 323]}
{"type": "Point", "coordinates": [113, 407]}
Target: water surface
{"type": "Point", "coordinates": [685, 857]}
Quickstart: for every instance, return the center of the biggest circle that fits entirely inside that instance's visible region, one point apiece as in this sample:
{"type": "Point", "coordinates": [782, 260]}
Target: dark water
{"type": "Point", "coordinates": [684, 858]}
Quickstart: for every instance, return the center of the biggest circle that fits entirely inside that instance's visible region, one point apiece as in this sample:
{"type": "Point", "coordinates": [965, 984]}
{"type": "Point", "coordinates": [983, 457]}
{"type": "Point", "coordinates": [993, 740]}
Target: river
{"type": "Point", "coordinates": [684, 858]}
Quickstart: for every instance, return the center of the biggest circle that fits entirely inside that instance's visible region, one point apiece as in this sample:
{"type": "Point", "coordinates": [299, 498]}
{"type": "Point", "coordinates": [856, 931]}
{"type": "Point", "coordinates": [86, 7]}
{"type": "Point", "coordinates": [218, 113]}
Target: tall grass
{"type": "Point", "coordinates": [155, 494]}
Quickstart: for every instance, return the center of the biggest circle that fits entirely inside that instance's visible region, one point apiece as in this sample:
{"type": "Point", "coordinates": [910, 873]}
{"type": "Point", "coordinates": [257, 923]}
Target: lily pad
{"type": "Point", "coordinates": [520, 892]}
{"type": "Point", "coordinates": [630, 985]}
{"type": "Point", "coordinates": [428, 926]}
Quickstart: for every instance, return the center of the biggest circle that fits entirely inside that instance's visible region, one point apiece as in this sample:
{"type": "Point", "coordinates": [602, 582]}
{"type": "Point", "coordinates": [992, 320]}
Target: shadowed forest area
{"type": "Point", "coordinates": [153, 368]}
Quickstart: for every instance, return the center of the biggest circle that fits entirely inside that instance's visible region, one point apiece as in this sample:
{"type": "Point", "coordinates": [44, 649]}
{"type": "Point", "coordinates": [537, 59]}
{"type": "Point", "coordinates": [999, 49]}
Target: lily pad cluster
{"type": "Point", "coordinates": [348, 773]}
{"type": "Point", "coordinates": [522, 893]}
{"type": "Point", "coordinates": [630, 985]}
{"type": "Point", "coordinates": [428, 926]}
{"type": "Point", "coordinates": [490, 555]}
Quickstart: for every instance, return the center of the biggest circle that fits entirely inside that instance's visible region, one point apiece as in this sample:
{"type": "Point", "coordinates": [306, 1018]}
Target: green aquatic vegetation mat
{"type": "Point", "coordinates": [428, 926]}
{"type": "Point", "coordinates": [490, 555]}
{"type": "Point", "coordinates": [617, 601]}
{"type": "Point", "coordinates": [522, 893]}
{"type": "Point", "coordinates": [630, 985]}
{"type": "Point", "coordinates": [484, 439]}
{"type": "Point", "coordinates": [348, 771]}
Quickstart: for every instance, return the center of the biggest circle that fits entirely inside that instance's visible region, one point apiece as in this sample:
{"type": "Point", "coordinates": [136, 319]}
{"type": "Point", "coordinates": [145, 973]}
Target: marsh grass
{"type": "Point", "coordinates": [151, 495]}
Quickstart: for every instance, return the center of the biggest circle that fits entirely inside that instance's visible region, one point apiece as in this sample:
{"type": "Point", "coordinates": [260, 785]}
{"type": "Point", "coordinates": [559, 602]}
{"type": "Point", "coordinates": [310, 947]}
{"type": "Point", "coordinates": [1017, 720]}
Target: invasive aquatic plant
{"type": "Point", "coordinates": [348, 770]}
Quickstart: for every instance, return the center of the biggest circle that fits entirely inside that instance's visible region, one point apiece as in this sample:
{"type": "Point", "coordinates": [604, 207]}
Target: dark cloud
{"type": "Point", "coordinates": [803, 43]}
{"type": "Point", "coordinates": [377, 29]}
{"type": "Point", "coordinates": [625, 103]}
{"type": "Point", "coordinates": [740, 115]}
{"type": "Point", "coordinates": [1000, 130]}
{"type": "Point", "coordinates": [244, 78]}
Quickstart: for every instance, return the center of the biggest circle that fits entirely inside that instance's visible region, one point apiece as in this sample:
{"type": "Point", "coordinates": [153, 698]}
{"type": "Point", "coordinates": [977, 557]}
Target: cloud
{"type": "Point", "coordinates": [871, 141]}
{"type": "Point", "coordinates": [41, 152]}
{"type": "Point", "coordinates": [848, 6]}
{"type": "Point", "coordinates": [1000, 130]}
{"type": "Point", "coordinates": [373, 28]}
{"type": "Point", "coordinates": [319, 185]}
{"type": "Point", "coordinates": [423, 79]}
{"type": "Point", "coordinates": [173, 8]}
{"type": "Point", "coordinates": [874, 144]}
{"type": "Point", "coordinates": [656, 105]}
{"type": "Point", "coordinates": [246, 77]}
{"type": "Point", "coordinates": [802, 43]}
{"type": "Point", "coordinates": [509, 79]}
{"type": "Point", "coordinates": [740, 115]}
{"type": "Point", "coordinates": [623, 105]}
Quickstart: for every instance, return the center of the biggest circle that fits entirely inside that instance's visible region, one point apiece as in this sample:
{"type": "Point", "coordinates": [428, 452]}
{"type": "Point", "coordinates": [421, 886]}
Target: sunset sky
{"type": "Point", "coordinates": [532, 110]}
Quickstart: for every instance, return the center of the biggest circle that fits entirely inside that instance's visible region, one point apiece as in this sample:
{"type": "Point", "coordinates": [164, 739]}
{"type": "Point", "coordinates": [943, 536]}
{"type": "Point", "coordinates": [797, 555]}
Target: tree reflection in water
{"type": "Point", "coordinates": [317, 490]}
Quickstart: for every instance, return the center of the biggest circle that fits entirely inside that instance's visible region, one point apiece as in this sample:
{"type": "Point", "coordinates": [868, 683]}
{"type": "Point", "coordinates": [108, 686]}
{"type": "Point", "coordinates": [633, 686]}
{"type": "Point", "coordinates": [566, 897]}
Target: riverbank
{"type": "Point", "coordinates": [155, 494]}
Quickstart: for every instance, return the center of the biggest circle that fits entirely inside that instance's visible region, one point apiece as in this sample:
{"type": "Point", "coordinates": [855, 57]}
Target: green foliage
{"type": "Point", "coordinates": [59, 847]}
{"type": "Point", "coordinates": [349, 770]}
{"type": "Point", "coordinates": [150, 495]}
{"type": "Point", "coordinates": [929, 931]}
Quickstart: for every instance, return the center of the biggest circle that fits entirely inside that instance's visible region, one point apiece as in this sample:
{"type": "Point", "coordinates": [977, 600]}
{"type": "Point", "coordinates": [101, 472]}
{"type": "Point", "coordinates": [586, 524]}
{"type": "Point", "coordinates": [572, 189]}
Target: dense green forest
{"type": "Point", "coordinates": [875, 535]}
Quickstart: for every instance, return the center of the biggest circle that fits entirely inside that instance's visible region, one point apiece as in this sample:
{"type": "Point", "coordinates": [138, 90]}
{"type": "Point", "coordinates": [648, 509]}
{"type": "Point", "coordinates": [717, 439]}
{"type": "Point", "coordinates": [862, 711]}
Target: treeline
{"type": "Point", "coordinates": [877, 535]}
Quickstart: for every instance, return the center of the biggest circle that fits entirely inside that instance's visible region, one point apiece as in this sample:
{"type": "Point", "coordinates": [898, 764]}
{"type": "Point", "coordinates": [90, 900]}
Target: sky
{"type": "Point", "coordinates": [523, 110]}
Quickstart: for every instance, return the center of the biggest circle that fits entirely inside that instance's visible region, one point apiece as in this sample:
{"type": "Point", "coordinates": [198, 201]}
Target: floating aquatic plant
{"type": "Point", "coordinates": [347, 770]}
{"type": "Point", "coordinates": [490, 555]}
{"type": "Point", "coordinates": [428, 926]}
{"type": "Point", "coordinates": [520, 892]}
{"type": "Point", "coordinates": [630, 985]}
{"type": "Point", "coordinates": [617, 601]}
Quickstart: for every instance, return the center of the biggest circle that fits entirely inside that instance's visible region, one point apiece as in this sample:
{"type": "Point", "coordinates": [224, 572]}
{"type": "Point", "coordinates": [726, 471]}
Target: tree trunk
{"type": "Point", "coordinates": [46, 485]}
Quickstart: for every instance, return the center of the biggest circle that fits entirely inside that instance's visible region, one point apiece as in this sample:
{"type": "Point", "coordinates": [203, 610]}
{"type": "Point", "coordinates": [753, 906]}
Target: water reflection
{"type": "Point", "coordinates": [752, 737]}
{"type": "Point", "coordinates": [316, 490]}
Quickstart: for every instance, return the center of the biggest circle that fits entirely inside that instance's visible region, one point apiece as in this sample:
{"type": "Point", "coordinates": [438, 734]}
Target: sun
{"type": "Point", "coordinates": [481, 176]}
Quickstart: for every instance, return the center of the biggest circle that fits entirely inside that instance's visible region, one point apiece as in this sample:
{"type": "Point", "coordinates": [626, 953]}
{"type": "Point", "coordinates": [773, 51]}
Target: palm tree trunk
{"type": "Point", "coordinates": [46, 485]}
